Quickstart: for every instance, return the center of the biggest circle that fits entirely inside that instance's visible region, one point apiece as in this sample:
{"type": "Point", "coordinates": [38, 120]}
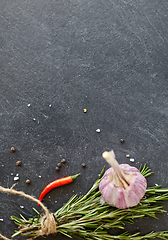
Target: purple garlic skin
{"type": "Point", "coordinates": [119, 195]}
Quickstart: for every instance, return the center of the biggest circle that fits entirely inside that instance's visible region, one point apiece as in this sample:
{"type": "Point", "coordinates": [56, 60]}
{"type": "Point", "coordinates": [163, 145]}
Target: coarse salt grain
{"type": "Point", "coordinates": [29, 105]}
{"type": "Point", "coordinates": [132, 159]}
{"type": "Point", "coordinates": [16, 178]}
{"type": "Point", "coordinates": [39, 176]}
{"type": "Point", "coordinates": [50, 105]}
{"type": "Point", "coordinates": [156, 184]}
{"type": "Point", "coordinates": [34, 119]}
{"type": "Point", "coordinates": [22, 207]}
{"type": "Point", "coordinates": [1, 219]}
{"type": "Point", "coordinates": [98, 130]}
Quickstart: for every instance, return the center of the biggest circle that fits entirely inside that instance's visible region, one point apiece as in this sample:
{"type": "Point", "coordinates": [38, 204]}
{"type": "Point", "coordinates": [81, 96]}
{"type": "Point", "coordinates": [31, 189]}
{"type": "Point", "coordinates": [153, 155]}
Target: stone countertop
{"type": "Point", "coordinates": [60, 57]}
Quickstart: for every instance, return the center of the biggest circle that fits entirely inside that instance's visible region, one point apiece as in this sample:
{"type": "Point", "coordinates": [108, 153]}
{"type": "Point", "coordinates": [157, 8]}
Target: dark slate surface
{"type": "Point", "coordinates": [107, 56]}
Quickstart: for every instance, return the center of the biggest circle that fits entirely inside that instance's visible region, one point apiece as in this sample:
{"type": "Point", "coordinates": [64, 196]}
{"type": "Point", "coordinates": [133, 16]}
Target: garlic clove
{"type": "Point", "coordinates": [131, 198]}
{"type": "Point", "coordinates": [122, 186]}
{"type": "Point", "coordinates": [120, 200]}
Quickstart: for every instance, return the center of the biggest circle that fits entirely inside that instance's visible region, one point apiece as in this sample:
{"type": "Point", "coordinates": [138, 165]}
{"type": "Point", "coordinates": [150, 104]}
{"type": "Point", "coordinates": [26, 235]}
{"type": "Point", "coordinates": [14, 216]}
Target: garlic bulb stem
{"type": "Point", "coordinates": [110, 158]}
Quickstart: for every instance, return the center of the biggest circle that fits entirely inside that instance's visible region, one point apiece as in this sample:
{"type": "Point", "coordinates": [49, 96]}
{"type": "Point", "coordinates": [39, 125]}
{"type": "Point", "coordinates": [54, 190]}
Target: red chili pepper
{"type": "Point", "coordinates": [57, 183]}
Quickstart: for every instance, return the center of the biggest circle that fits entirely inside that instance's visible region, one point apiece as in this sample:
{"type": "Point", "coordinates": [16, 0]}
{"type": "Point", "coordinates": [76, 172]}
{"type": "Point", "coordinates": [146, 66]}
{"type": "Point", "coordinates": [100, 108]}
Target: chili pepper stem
{"type": "Point", "coordinates": [75, 176]}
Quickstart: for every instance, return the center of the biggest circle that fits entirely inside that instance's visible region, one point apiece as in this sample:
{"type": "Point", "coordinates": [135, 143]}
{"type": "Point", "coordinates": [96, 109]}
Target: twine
{"type": "Point", "coordinates": [1, 236]}
{"type": "Point", "coordinates": [48, 223]}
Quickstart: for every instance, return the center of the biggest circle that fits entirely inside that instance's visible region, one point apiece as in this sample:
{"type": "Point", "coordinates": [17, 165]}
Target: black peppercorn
{"type": "Point", "coordinates": [59, 165]}
{"type": "Point", "coordinates": [122, 140]}
{"type": "Point", "coordinates": [63, 160]}
{"type": "Point", "coordinates": [83, 165]}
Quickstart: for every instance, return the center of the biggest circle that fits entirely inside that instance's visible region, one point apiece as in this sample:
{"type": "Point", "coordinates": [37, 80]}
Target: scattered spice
{"type": "Point", "coordinates": [84, 110]}
{"type": "Point", "coordinates": [16, 178]}
{"type": "Point", "coordinates": [132, 159]}
{"type": "Point", "coordinates": [12, 149]}
{"type": "Point", "coordinates": [83, 165]}
{"type": "Point", "coordinates": [127, 155]}
{"type": "Point", "coordinates": [28, 181]}
{"type": "Point", "coordinates": [63, 160]}
{"type": "Point", "coordinates": [59, 165]}
{"type": "Point", "coordinates": [98, 130]}
{"type": "Point", "coordinates": [18, 163]}
{"type": "Point", "coordinates": [122, 140]}
{"type": "Point", "coordinates": [57, 169]}
{"type": "Point", "coordinates": [57, 183]}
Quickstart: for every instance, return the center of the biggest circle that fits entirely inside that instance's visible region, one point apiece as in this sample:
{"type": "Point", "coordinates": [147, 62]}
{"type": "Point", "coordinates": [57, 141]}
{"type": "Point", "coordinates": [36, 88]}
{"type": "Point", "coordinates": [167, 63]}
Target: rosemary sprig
{"type": "Point", "coordinates": [145, 171]}
{"type": "Point", "coordinates": [86, 217]}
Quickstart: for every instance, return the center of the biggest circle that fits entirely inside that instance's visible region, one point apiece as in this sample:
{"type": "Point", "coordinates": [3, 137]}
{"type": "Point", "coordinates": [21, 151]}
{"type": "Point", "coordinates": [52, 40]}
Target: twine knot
{"type": "Point", "coordinates": [48, 225]}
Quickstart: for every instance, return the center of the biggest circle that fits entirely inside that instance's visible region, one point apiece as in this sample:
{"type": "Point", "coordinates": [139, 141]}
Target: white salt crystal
{"type": "Point", "coordinates": [16, 178]}
{"type": "Point", "coordinates": [98, 130]}
{"type": "Point", "coordinates": [132, 159]}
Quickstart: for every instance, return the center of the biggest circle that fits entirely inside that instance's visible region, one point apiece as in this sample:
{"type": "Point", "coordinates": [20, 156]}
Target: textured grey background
{"type": "Point", "coordinates": [107, 56]}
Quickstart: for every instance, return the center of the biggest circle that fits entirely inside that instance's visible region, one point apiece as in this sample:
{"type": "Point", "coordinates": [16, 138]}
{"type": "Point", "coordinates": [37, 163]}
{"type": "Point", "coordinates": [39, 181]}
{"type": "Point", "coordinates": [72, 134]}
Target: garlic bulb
{"type": "Point", "coordinates": [122, 186]}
